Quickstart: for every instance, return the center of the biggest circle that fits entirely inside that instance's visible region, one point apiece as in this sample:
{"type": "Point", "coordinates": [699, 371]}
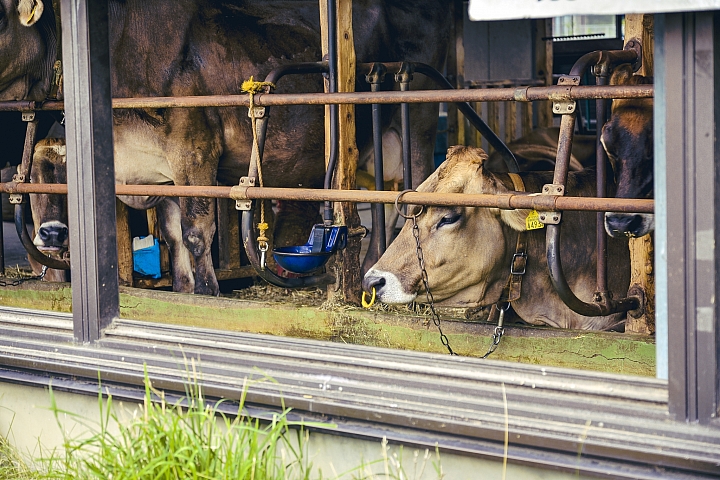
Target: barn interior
{"type": "Point", "coordinates": [486, 55]}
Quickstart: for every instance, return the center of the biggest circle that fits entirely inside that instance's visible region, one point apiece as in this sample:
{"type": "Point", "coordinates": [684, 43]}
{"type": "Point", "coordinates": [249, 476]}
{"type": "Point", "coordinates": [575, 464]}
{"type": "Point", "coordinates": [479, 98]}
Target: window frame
{"type": "Point", "coordinates": [616, 422]}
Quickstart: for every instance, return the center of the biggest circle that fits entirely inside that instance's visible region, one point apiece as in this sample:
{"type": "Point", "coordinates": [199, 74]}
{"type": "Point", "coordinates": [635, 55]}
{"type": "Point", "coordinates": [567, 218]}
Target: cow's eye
{"type": "Point", "coordinates": [449, 219]}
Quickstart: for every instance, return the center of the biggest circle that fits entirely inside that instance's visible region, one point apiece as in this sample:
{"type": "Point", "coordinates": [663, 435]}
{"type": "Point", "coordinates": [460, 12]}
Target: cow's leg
{"type": "Point", "coordinates": [194, 148]}
{"type": "Point", "coordinates": [169, 217]}
{"type": "Point", "coordinates": [198, 230]}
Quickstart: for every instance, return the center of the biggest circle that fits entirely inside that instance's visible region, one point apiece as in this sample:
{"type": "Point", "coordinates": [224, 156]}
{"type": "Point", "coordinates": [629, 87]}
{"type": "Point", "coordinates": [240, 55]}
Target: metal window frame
{"type": "Point", "coordinates": [598, 424]}
{"type": "Point", "coordinates": [687, 106]}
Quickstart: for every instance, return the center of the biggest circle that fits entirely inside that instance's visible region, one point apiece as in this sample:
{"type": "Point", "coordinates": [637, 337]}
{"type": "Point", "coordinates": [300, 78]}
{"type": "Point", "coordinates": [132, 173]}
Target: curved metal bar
{"type": "Point", "coordinates": [472, 117]}
{"type": "Point", "coordinates": [603, 305]}
{"type": "Point", "coordinates": [606, 306]}
{"type": "Point", "coordinates": [30, 247]}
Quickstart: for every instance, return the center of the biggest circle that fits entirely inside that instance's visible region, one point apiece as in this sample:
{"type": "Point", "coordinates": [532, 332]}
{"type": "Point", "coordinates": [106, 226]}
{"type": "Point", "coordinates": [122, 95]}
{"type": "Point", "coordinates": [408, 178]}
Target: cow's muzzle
{"type": "Point", "coordinates": [52, 237]}
{"type": "Point", "coordinates": [388, 288]}
{"type": "Point", "coordinates": [628, 224]}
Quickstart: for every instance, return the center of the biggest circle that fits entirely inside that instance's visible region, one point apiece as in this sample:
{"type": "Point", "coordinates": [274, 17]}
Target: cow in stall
{"type": "Point", "coordinates": [468, 251]}
{"type": "Point", "coordinates": [628, 140]}
{"type": "Point", "coordinates": [209, 47]}
{"type": "Point", "coordinates": [535, 152]}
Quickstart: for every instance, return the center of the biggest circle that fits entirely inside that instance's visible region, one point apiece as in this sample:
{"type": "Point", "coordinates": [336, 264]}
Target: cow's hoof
{"type": "Point", "coordinates": [207, 288]}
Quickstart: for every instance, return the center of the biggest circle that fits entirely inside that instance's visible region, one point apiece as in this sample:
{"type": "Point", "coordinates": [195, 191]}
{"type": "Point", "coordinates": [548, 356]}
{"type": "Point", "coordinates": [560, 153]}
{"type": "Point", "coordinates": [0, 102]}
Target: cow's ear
{"type": "Point", "coordinates": [30, 11]}
{"type": "Point", "coordinates": [622, 74]}
{"type": "Point", "coordinates": [516, 219]}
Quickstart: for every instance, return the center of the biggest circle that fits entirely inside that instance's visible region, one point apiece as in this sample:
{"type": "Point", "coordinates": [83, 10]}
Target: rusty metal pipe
{"type": "Point", "coordinates": [520, 94]}
{"type": "Point", "coordinates": [565, 141]}
{"type": "Point", "coordinates": [502, 201]}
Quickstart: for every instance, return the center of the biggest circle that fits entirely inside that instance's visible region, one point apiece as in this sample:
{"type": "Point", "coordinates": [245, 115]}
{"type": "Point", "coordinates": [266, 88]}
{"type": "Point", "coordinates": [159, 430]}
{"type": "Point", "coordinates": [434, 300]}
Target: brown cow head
{"type": "Point", "coordinates": [49, 212]}
{"type": "Point", "coordinates": [464, 273]}
{"type": "Point", "coordinates": [628, 141]}
{"type": "Point", "coordinates": [27, 49]}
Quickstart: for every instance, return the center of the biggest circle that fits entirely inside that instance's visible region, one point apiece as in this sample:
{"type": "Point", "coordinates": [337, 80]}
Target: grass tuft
{"type": "Point", "coordinates": [189, 439]}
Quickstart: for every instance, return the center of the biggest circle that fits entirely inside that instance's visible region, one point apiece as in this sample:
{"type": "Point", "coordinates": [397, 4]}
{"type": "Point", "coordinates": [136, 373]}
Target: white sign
{"type": "Point", "coordinates": [515, 9]}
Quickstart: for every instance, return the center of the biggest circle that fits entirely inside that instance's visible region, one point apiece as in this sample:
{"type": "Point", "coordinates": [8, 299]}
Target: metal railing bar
{"type": "Point", "coordinates": [507, 201]}
{"type": "Point", "coordinates": [521, 94]}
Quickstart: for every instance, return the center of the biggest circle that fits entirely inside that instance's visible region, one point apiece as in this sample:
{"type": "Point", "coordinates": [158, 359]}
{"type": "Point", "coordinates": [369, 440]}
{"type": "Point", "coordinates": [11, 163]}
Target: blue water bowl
{"type": "Point", "coordinates": [323, 242]}
{"type": "Point", "coordinates": [300, 259]}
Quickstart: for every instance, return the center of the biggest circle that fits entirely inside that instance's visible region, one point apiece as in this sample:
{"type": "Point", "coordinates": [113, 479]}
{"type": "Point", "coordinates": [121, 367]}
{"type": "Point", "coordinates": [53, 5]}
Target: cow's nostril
{"type": "Point", "coordinates": [62, 234]}
{"type": "Point", "coordinates": [44, 234]}
{"type": "Point", "coordinates": [370, 282]}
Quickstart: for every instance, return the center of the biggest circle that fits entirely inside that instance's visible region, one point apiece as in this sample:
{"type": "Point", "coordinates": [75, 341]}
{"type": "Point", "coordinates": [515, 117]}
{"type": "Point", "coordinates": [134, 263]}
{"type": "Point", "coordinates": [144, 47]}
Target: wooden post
{"type": "Point", "coordinates": [544, 66]}
{"type": "Point", "coordinates": [642, 276]}
{"type": "Point", "coordinates": [124, 245]}
{"type": "Point", "coordinates": [347, 264]}
{"type": "Point", "coordinates": [527, 118]}
{"type": "Point", "coordinates": [510, 121]}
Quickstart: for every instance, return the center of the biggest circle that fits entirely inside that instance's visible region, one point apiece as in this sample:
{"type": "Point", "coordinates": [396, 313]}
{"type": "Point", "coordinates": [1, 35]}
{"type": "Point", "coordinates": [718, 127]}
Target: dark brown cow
{"type": "Point", "coordinates": [206, 47]}
{"type": "Point", "coordinates": [468, 251]}
{"type": "Point", "coordinates": [628, 141]}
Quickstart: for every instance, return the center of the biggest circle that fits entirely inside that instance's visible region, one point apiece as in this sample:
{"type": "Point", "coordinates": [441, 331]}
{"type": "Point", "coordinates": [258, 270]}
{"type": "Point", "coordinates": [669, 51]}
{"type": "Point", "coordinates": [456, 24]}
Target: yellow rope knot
{"type": "Point", "coordinates": [252, 87]}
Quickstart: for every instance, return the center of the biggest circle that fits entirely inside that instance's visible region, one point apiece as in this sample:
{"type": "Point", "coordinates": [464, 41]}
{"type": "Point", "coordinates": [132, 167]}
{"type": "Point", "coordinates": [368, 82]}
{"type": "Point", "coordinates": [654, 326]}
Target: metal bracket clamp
{"type": "Point", "coordinates": [245, 204]}
{"type": "Point", "coordinates": [376, 74]}
{"type": "Point", "coordinates": [565, 106]}
{"type": "Point", "coordinates": [635, 44]}
{"type": "Point", "coordinates": [17, 198]}
{"type": "Point", "coordinates": [256, 112]}
{"type": "Point", "coordinates": [28, 115]}
{"type": "Point", "coordinates": [551, 218]}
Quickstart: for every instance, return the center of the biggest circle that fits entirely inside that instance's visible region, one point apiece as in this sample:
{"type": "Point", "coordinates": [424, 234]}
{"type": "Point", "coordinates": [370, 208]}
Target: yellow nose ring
{"type": "Point", "coordinates": [364, 302]}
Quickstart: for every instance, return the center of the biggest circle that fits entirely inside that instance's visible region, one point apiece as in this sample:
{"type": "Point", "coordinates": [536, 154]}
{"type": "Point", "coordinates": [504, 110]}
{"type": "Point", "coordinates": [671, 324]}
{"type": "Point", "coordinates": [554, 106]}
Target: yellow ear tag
{"type": "Point", "coordinates": [532, 222]}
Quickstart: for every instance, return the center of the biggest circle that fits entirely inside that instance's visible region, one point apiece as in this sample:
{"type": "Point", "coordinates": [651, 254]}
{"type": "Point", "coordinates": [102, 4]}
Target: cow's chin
{"type": "Point", "coordinates": [622, 225]}
{"type": "Point", "coordinates": [55, 252]}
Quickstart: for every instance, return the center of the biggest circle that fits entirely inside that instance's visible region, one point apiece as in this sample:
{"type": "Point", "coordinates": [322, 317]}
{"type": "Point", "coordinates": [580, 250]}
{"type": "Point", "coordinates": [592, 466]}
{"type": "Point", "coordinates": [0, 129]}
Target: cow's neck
{"type": "Point", "coordinates": [41, 73]}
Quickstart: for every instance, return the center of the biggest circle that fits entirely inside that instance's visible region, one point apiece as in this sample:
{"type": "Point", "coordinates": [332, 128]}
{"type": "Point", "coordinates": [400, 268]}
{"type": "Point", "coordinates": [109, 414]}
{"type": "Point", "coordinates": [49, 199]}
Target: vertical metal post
{"type": "Point", "coordinates": [687, 228]}
{"type": "Point", "coordinates": [91, 173]}
{"type": "Point", "coordinates": [404, 77]}
{"type": "Point", "coordinates": [601, 162]}
{"type": "Point", "coordinates": [375, 79]}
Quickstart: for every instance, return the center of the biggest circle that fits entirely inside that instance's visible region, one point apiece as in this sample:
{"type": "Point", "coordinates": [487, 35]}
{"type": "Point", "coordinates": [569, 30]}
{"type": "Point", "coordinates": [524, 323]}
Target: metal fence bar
{"type": "Point", "coordinates": [503, 201]}
{"type": "Point", "coordinates": [520, 94]}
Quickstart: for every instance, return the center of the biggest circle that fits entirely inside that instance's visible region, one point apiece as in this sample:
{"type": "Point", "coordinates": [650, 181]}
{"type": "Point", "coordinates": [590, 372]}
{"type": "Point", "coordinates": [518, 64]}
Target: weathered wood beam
{"type": "Point", "coordinates": [347, 262]}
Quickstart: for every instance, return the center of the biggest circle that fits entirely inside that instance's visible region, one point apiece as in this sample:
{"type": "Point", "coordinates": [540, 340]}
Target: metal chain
{"type": "Point", "coordinates": [499, 329]}
{"type": "Point", "coordinates": [428, 294]}
{"type": "Point", "coordinates": [20, 281]}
